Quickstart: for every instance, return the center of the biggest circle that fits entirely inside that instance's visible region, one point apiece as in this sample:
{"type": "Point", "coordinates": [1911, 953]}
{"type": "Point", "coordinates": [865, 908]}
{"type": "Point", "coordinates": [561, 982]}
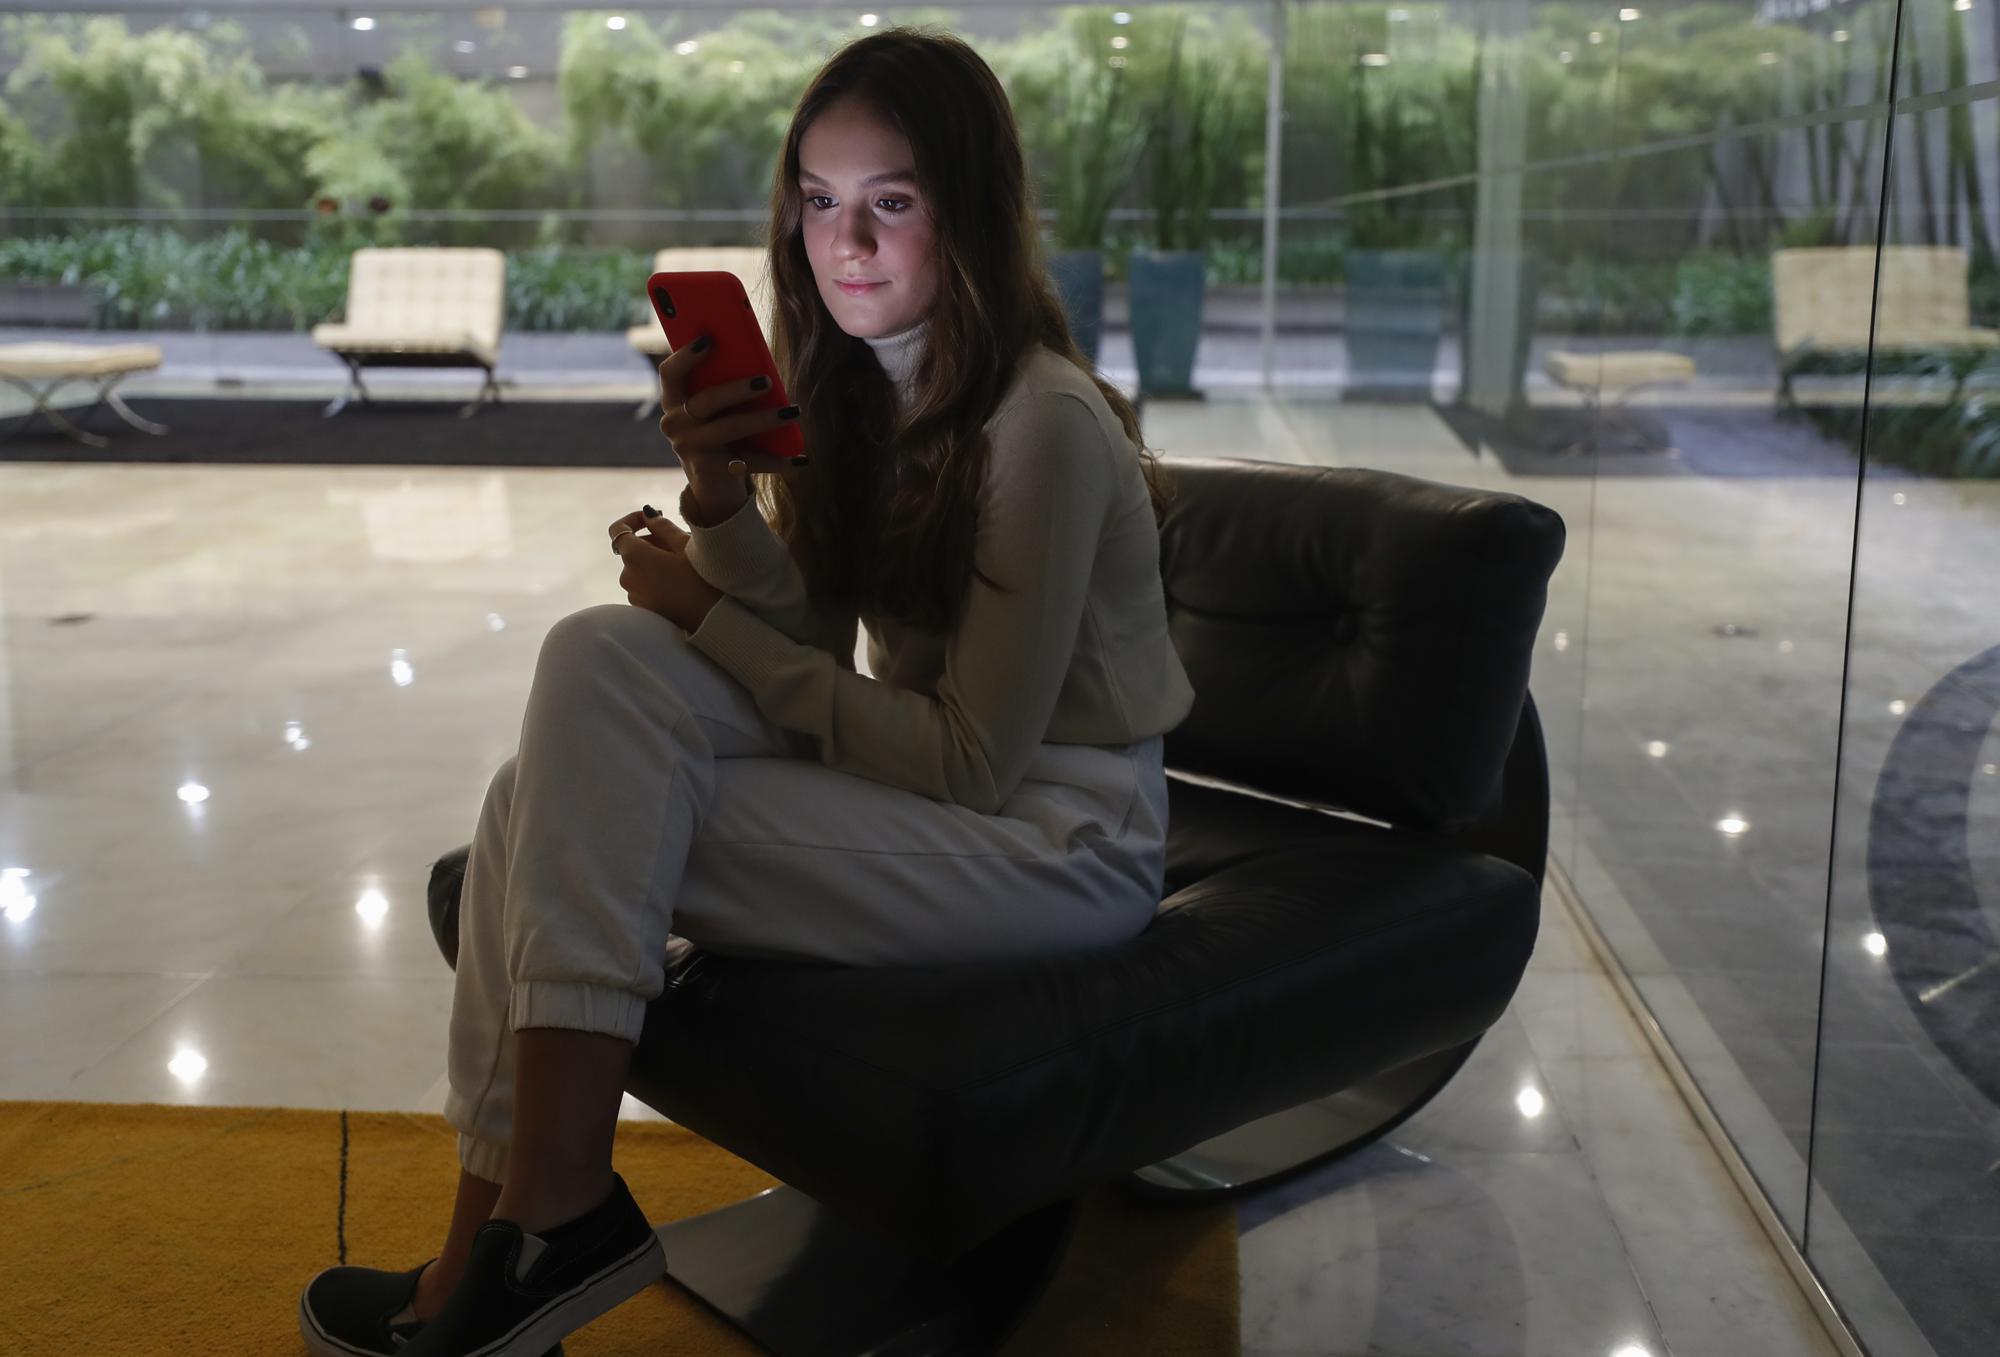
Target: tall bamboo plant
{"type": "Point", "coordinates": [1101, 139]}
{"type": "Point", "coordinates": [1199, 123]}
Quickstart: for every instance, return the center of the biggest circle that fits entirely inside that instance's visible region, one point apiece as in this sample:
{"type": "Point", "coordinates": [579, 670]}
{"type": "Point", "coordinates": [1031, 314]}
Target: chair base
{"type": "Point", "coordinates": [357, 359]}
{"type": "Point", "coordinates": [105, 396]}
{"type": "Point", "coordinates": [786, 1272]}
{"type": "Point", "coordinates": [1268, 1151]}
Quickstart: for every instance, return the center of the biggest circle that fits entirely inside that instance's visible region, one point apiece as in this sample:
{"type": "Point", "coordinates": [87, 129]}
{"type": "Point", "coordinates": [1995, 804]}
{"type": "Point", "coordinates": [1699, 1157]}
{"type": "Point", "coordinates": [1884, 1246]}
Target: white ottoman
{"type": "Point", "coordinates": [39, 369]}
{"type": "Point", "coordinates": [1607, 380]}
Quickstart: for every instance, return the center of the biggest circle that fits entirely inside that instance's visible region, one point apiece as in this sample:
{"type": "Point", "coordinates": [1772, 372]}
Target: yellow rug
{"type": "Point", "coordinates": [150, 1229]}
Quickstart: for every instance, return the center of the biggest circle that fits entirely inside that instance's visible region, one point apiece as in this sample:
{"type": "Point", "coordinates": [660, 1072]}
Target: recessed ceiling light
{"type": "Point", "coordinates": [363, 23]}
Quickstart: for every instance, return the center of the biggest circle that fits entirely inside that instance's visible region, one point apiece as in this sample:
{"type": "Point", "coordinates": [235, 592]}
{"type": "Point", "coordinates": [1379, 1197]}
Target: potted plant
{"type": "Point", "coordinates": [1099, 138]}
{"type": "Point", "coordinates": [1398, 268]}
{"type": "Point", "coordinates": [1196, 118]}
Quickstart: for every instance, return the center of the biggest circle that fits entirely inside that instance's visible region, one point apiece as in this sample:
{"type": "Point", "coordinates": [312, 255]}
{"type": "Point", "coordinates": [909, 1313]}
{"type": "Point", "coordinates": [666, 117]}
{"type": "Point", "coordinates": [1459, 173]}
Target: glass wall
{"type": "Point", "coordinates": [1905, 1136]}
{"type": "Point", "coordinates": [1723, 292]}
{"type": "Point", "coordinates": [1715, 280]}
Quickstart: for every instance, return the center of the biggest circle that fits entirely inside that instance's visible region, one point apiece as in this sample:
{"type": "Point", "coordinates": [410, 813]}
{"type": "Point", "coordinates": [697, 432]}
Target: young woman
{"type": "Point", "coordinates": [709, 763]}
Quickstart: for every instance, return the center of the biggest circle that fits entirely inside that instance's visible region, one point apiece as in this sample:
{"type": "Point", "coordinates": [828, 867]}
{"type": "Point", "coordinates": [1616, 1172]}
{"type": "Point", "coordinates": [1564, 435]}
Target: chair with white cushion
{"type": "Point", "coordinates": [1828, 304]}
{"type": "Point", "coordinates": [750, 263]}
{"type": "Point", "coordinates": [420, 306]}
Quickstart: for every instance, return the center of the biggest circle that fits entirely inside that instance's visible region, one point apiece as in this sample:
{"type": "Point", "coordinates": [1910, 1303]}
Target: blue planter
{"type": "Point", "coordinates": [1167, 288]}
{"type": "Point", "coordinates": [1079, 278]}
{"type": "Point", "coordinates": [1397, 301]}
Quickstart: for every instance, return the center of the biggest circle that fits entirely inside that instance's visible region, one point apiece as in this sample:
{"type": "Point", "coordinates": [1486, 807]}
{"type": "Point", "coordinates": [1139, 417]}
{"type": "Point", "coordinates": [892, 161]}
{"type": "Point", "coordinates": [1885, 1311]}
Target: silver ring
{"type": "Point", "coordinates": [687, 417]}
{"type": "Point", "coordinates": [618, 537]}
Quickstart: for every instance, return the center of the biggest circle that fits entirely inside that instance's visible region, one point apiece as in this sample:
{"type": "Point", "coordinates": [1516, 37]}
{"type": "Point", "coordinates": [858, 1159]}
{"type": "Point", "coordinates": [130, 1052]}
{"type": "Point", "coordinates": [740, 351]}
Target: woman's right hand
{"type": "Point", "coordinates": [710, 434]}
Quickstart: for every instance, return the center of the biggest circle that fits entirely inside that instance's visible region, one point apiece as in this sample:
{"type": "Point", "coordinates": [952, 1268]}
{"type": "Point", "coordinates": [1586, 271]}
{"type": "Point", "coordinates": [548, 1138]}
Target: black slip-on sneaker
{"type": "Point", "coordinates": [522, 1292]}
{"type": "Point", "coordinates": [362, 1312]}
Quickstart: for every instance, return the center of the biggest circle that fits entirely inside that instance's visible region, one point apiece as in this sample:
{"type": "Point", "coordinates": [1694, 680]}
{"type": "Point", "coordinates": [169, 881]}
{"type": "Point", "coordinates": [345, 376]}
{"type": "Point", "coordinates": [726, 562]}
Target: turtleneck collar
{"type": "Point", "coordinates": [898, 354]}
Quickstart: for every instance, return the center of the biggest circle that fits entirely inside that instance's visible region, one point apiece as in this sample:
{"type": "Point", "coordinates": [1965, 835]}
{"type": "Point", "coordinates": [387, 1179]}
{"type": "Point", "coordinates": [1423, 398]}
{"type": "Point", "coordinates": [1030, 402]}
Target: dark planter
{"type": "Point", "coordinates": [1167, 288]}
{"type": "Point", "coordinates": [1079, 278]}
{"type": "Point", "coordinates": [1397, 302]}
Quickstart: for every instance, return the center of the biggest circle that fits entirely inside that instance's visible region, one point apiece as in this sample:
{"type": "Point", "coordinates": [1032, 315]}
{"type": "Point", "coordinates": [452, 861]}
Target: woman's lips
{"type": "Point", "coordinates": [856, 289]}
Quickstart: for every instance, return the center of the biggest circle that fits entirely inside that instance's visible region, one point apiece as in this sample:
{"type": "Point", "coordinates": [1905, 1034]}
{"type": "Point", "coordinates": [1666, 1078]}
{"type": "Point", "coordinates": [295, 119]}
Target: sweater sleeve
{"type": "Point", "coordinates": [743, 558]}
{"type": "Point", "coordinates": [1049, 488]}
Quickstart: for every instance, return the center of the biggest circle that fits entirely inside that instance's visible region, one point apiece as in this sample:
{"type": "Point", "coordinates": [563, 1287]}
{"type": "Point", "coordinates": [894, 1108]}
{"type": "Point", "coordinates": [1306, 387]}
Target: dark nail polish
{"type": "Point", "coordinates": [649, 511]}
{"type": "Point", "coordinates": [789, 412]}
{"type": "Point", "coordinates": [760, 383]}
{"type": "Point", "coordinates": [700, 345]}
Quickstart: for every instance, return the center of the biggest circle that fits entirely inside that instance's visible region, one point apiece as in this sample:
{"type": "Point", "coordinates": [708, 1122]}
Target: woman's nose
{"type": "Point", "coordinates": [851, 238]}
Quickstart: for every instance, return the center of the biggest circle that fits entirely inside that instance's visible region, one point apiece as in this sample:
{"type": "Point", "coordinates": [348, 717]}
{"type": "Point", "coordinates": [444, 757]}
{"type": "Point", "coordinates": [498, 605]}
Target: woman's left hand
{"type": "Point", "coordinates": [658, 575]}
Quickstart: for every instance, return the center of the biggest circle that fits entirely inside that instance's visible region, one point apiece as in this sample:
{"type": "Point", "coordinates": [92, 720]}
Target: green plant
{"type": "Point", "coordinates": [1081, 122]}
{"type": "Point", "coordinates": [1721, 294]}
{"type": "Point", "coordinates": [706, 122]}
{"type": "Point", "coordinates": [150, 277]}
{"type": "Point", "coordinates": [559, 288]}
{"type": "Point", "coordinates": [166, 118]}
{"type": "Point", "coordinates": [1199, 119]}
{"type": "Point", "coordinates": [156, 278]}
{"type": "Point", "coordinates": [437, 141]}
{"type": "Point", "coordinates": [1299, 262]}
{"type": "Point", "coordinates": [21, 163]}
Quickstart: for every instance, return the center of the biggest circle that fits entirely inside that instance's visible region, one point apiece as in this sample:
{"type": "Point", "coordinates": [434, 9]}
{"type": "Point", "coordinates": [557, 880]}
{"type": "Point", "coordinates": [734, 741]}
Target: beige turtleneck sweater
{"type": "Point", "coordinates": [1077, 654]}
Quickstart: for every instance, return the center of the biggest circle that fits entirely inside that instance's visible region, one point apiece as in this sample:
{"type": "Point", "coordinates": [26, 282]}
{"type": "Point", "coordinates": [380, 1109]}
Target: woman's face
{"type": "Point", "coordinates": [865, 221]}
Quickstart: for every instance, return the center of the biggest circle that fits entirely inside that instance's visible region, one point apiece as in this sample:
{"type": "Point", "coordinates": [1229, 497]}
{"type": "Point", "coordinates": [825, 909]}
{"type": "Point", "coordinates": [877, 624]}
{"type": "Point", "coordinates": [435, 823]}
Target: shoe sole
{"type": "Point", "coordinates": [603, 1293]}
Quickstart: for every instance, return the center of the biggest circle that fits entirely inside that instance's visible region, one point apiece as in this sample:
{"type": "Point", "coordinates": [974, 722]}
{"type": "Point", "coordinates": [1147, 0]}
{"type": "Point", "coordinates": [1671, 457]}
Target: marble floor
{"type": "Point", "coordinates": [242, 710]}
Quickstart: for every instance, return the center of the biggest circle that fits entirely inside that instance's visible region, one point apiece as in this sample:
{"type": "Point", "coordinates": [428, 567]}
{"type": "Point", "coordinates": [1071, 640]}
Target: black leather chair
{"type": "Point", "coordinates": [1359, 821]}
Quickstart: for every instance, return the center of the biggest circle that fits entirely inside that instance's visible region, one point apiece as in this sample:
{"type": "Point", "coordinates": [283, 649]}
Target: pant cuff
{"type": "Point", "coordinates": [577, 1006]}
{"type": "Point", "coordinates": [482, 1158]}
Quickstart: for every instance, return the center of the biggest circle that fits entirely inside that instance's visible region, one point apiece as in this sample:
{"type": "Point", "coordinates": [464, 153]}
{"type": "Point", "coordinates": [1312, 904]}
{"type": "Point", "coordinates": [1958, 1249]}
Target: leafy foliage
{"type": "Point", "coordinates": [1200, 84]}
{"type": "Point", "coordinates": [166, 118]}
{"type": "Point", "coordinates": [1083, 125]}
{"type": "Point", "coordinates": [154, 278]}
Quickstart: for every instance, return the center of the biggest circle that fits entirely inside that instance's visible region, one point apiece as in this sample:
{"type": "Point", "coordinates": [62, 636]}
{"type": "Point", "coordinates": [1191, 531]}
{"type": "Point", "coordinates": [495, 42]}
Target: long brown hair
{"type": "Point", "coordinates": [883, 519]}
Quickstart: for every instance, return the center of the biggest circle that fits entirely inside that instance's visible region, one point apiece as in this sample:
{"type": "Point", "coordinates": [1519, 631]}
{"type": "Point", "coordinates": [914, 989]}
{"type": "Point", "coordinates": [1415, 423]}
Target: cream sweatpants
{"type": "Point", "coordinates": [650, 797]}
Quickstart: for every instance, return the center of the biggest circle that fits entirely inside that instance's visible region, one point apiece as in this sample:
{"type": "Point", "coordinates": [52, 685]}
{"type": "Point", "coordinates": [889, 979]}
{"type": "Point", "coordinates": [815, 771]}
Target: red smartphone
{"type": "Point", "coordinates": [691, 305]}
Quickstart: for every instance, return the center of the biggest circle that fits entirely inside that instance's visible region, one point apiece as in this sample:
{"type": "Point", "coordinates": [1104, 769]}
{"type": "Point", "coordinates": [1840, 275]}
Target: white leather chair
{"type": "Point", "coordinates": [1823, 300]}
{"type": "Point", "coordinates": [420, 306]}
{"type": "Point", "coordinates": [750, 263]}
